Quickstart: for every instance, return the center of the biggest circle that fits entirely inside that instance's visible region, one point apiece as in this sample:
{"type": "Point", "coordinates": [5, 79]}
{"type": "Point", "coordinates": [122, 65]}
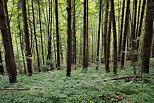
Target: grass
{"type": "Point", "coordinates": [57, 88]}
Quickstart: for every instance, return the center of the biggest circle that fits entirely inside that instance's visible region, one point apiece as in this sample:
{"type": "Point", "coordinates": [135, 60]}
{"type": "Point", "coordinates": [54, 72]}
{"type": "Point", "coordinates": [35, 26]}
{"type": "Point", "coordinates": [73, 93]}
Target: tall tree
{"type": "Point", "coordinates": [57, 34]}
{"type": "Point", "coordinates": [141, 21]}
{"type": "Point", "coordinates": [108, 45]}
{"type": "Point", "coordinates": [9, 30]}
{"type": "Point", "coordinates": [87, 51]}
{"type": "Point", "coordinates": [147, 39]}
{"type": "Point", "coordinates": [40, 22]}
{"type": "Point", "coordinates": [28, 49]}
{"type": "Point", "coordinates": [120, 39]}
{"type": "Point", "coordinates": [37, 52]}
{"type": "Point", "coordinates": [69, 40]}
{"type": "Point", "coordinates": [74, 36]}
{"type": "Point", "coordinates": [114, 36]}
{"type": "Point", "coordinates": [105, 29]}
{"type": "Point", "coordinates": [6, 41]}
{"type": "Point", "coordinates": [84, 35]}
{"type": "Point", "coordinates": [100, 9]}
{"type": "Point", "coordinates": [133, 36]}
{"type": "Point", "coordinates": [125, 33]}
{"type": "Point", "coordinates": [49, 56]}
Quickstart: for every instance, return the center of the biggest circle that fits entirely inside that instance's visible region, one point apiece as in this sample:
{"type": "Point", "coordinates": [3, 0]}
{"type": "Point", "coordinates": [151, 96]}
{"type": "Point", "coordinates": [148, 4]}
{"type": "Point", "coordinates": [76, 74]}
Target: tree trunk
{"type": "Point", "coordinates": [9, 31]}
{"type": "Point", "coordinates": [74, 37]}
{"type": "Point", "coordinates": [28, 49]}
{"type": "Point", "coordinates": [125, 33]}
{"type": "Point", "coordinates": [85, 37]}
{"type": "Point", "coordinates": [97, 58]}
{"type": "Point", "coordinates": [105, 29]}
{"type": "Point", "coordinates": [69, 40]}
{"type": "Point", "coordinates": [108, 46]}
{"type": "Point", "coordinates": [114, 37]}
{"type": "Point", "coordinates": [8, 50]}
{"type": "Point", "coordinates": [41, 30]}
{"type": "Point", "coordinates": [37, 52]}
{"type": "Point", "coordinates": [147, 39]}
{"type": "Point", "coordinates": [120, 39]}
{"type": "Point", "coordinates": [141, 21]}
{"type": "Point", "coordinates": [57, 34]}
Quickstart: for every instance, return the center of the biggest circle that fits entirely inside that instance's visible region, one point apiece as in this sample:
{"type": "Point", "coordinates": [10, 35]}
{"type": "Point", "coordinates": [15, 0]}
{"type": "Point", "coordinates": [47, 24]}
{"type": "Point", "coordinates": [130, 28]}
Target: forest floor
{"type": "Point", "coordinates": [84, 86]}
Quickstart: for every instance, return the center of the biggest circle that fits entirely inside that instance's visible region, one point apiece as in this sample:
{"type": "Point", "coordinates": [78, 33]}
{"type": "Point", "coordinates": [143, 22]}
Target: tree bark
{"type": "Point", "coordinates": [57, 34]}
{"type": "Point", "coordinates": [114, 37]}
{"type": "Point", "coordinates": [37, 52]}
{"type": "Point", "coordinates": [120, 39]}
{"type": "Point", "coordinates": [125, 33]}
{"type": "Point", "coordinates": [84, 36]}
{"type": "Point", "coordinates": [147, 39]}
{"type": "Point", "coordinates": [8, 50]}
{"type": "Point", "coordinates": [69, 40]}
{"type": "Point", "coordinates": [108, 45]}
{"type": "Point", "coordinates": [74, 37]}
{"type": "Point", "coordinates": [105, 29]}
{"type": "Point", "coordinates": [41, 30]}
{"type": "Point", "coordinates": [1, 64]}
{"type": "Point", "coordinates": [97, 58]}
{"type": "Point", "coordinates": [28, 49]}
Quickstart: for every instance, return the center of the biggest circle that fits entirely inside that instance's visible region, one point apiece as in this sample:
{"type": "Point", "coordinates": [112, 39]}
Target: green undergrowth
{"type": "Point", "coordinates": [57, 88]}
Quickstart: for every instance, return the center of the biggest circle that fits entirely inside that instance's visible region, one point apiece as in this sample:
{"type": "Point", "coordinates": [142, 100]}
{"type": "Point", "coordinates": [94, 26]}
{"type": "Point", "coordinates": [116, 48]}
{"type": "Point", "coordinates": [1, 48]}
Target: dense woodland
{"type": "Point", "coordinates": [76, 50]}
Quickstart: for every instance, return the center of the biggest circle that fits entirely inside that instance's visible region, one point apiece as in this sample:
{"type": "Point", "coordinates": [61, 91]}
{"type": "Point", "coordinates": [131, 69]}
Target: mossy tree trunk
{"type": "Point", "coordinates": [147, 39]}
{"type": "Point", "coordinates": [28, 49]}
{"type": "Point", "coordinates": [7, 46]}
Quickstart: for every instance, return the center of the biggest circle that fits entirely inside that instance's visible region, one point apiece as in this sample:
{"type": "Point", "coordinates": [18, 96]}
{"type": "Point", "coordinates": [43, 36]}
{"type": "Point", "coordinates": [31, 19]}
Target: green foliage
{"type": "Point", "coordinates": [57, 88]}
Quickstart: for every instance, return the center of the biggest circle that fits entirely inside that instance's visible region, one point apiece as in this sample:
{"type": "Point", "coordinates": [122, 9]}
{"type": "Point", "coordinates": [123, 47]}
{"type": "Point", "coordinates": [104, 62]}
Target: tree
{"type": "Point", "coordinates": [97, 58]}
{"type": "Point", "coordinates": [8, 50]}
{"type": "Point", "coordinates": [28, 49]}
{"type": "Point", "coordinates": [125, 33]}
{"type": "Point", "coordinates": [105, 30]}
{"type": "Point", "coordinates": [114, 36]}
{"type": "Point", "coordinates": [147, 39]}
{"type": "Point", "coordinates": [57, 34]}
{"type": "Point", "coordinates": [120, 39]}
{"type": "Point", "coordinates": [37, 52]}
{"type": "Point", "coordinates": [69, 39]}
{"type": "Point", "coordinates": [74, 36]}
{"type": "Point", "coordinates": [84, 36]}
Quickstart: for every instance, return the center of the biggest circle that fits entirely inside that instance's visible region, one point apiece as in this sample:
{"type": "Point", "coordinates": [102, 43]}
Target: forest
{"type": "Point", "coordinates": [76, 51]}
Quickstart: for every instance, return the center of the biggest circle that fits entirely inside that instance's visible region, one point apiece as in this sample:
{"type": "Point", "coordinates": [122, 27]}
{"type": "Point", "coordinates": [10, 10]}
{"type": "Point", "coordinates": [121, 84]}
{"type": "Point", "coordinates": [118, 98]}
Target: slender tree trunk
{"type": "Point", "coordinates": [141, 21]}
{"type": "Point", "coordinates": [28, 49]}
{"type": "Point", "coordinates": [120, 39]}
{"type": "Point", "coordinates": [97, 58]}
{"type": "Point", "coordinates": [37, 52]}
{"type": "Point", "coordinates": [8, 50]}
{"type": "Point", "coordinates": [108, 45]}
{"type": "Point", "coordinates": [49, 56]}
{"type": "Point", "coordinates": [57, 34]}
{"type": "Point", "coordinates": [105, 29]}
{"type": "Point", "coordinates": [114, 36]}
{"type": "Point", "coordinates": [84, 35]}
{"type": "Point", "coordinates": [69, 40]}
{"type": "Point", "coordinates": [125, 33]}
{"type": "Point", "coordinates": [41, 30]}
{"type": "Point", "coordinates": [9, 31]}
{"type": "Point", "coordinates": [74, 37]}
{"type": "Point", "coordinates": [87, 39]}
{"type": "Point", "coordinates": [147, 39]}
{"type": "Point", "coordinates": [133, 37]}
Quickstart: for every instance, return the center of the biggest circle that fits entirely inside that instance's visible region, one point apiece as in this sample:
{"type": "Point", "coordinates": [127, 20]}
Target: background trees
{"type": "Point", "coordinates": [46, 33]}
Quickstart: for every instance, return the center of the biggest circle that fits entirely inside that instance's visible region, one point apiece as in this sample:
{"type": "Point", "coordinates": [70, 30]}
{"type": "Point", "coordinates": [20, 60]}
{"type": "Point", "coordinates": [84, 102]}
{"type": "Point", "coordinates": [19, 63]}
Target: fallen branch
{"type": "Point", "coordinates": [125, 77]}
{"type": "Point", "coordinates": [115, 96]}
{"type": "Point", "coordinates": [23, 88]}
